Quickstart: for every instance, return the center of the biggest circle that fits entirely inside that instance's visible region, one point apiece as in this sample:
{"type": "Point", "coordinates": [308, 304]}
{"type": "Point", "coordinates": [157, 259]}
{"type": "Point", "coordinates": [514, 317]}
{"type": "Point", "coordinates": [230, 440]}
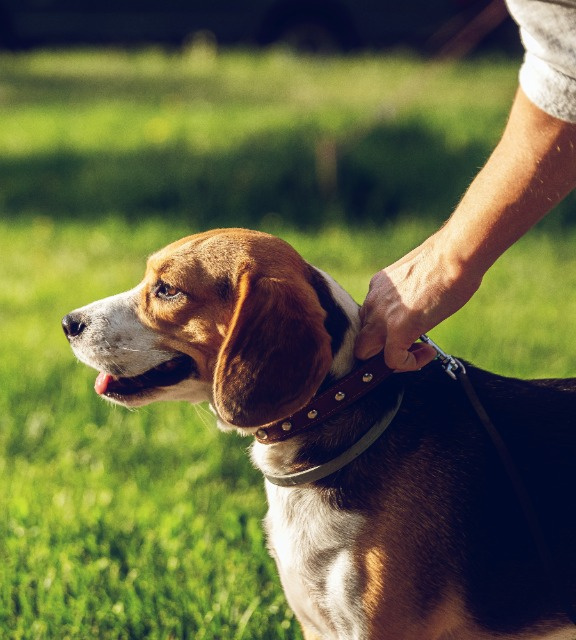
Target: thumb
{"type": "Point", "coordinates": [369, 342]}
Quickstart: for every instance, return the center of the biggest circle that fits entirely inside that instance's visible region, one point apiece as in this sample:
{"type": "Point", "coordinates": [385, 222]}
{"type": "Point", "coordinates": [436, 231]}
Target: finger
{"type": "Point", "coordinates": [412, 359]}
{"type": "Point", "coordinates": [423, 353]}
{"type": "Point", "coordinates": [369, 342]}
{"type": "Point", "coordinates": [400, 359]}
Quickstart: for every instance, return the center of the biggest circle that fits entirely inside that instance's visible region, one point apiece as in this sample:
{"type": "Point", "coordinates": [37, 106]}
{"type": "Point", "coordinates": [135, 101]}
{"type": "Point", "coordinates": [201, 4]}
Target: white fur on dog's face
{"type": "Point", "coordinates": [116, 342]}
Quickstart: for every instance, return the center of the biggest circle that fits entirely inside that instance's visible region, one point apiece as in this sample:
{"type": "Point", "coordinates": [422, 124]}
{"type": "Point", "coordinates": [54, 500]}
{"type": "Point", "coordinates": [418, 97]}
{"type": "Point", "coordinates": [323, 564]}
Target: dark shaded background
{"type": "Point", "coordinates": [317, 25]}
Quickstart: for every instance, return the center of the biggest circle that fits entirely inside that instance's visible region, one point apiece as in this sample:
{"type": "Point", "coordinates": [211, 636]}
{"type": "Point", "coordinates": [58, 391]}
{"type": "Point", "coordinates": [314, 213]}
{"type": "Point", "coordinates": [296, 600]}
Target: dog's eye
{"type": "Point", "coordinates": [165, 291]}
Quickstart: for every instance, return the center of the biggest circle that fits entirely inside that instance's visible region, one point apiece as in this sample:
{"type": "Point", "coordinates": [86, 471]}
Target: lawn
{"type": "Point", "coordinates": [143, 133]}
{"type": "Point", "coordinates": [146, 524]}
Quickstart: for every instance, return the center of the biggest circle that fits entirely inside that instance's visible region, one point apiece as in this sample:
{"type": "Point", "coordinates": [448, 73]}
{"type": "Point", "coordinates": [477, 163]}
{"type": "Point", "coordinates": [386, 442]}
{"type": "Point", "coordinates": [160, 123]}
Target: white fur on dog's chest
{"type": "Point", "coordinates": [312, 544]}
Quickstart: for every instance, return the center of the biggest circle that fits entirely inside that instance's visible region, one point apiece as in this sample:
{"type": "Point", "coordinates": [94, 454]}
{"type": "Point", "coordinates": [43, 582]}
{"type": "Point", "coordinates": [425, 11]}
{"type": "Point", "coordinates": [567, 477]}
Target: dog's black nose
{"type": "Point", "coordinates": [73, 325]}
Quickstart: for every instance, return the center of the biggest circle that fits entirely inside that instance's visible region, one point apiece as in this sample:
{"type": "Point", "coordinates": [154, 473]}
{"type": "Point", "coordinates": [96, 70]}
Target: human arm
{"type": "Point", "coordinates": [532, 168]}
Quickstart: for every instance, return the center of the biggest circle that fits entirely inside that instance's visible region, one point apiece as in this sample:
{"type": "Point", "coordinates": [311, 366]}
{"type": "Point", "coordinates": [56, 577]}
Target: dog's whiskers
{"type": "Point", "coordinates": [205, 415]}
{"type": "Point", "coordinates": [161, 351]}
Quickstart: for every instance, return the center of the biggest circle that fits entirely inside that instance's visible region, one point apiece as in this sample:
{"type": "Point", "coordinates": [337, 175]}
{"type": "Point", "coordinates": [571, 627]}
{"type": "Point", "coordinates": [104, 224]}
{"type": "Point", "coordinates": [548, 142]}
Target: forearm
{"type": "Point", "coordinates": [531, 170]}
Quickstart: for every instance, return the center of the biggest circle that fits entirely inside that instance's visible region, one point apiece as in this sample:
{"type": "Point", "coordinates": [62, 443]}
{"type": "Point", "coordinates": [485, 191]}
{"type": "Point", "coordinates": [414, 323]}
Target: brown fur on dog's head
{"type": "Point", "coordinates": [249, 317]}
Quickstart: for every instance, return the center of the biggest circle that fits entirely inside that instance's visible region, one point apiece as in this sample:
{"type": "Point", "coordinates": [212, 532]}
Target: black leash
{"type": "Point", "coordinates": [456, 370]}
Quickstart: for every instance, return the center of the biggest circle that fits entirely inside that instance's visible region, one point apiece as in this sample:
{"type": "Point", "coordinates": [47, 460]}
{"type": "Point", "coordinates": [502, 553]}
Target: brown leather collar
{"type": "Point", "coordinates": [340, 395]}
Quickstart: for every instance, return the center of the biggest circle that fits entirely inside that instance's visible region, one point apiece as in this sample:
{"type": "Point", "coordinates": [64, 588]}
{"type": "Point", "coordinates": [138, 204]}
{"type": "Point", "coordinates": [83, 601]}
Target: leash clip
{"type": "Point", "coordinates": [448, 362]}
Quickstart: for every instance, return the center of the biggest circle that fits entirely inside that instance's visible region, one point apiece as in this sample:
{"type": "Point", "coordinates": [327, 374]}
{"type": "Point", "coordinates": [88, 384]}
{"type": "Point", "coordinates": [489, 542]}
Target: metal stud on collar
{"type": "Point", "coordinates": [321, 407]}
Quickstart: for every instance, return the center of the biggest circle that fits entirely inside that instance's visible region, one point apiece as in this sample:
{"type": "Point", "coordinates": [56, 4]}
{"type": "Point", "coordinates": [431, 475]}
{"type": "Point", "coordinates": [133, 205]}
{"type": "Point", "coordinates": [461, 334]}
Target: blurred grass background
{"type": "Point", "coordinates": [146, 524]}
{"type": "Point", "coordinates": [214, 137]}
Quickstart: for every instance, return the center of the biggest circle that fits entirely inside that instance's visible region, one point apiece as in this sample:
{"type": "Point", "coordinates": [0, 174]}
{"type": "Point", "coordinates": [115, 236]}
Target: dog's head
{"type": "Point", "coordinates": [231, 316]}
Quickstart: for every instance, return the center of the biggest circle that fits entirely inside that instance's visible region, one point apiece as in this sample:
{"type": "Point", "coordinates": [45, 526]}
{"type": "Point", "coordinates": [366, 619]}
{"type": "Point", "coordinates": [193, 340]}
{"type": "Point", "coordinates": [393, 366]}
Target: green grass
{"type": "Point", "coordinates": [146, 524]}
{"type": "Point", "coordinates": [142, 133]}
{"type": "Point", "coordinates": [114, 524]}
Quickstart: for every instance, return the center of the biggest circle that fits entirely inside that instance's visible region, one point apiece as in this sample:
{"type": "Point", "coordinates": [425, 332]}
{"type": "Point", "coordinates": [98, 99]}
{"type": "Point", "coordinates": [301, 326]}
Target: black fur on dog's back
{"type": "Point", "coordinates": [537, 420]}
{"type": "Point", "coordinates": [438, 478]}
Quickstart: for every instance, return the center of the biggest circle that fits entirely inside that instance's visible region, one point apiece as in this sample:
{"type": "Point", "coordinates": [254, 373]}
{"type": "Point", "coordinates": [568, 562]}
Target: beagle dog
{"type": "Point", "coordinates": [420, 536]}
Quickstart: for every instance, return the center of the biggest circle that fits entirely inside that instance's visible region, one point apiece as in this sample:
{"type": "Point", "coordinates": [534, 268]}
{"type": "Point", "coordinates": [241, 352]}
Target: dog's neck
{"type": "Point", "coordinates": [341, 302]}
{"type": "Point", "coordinates": [282, 458]}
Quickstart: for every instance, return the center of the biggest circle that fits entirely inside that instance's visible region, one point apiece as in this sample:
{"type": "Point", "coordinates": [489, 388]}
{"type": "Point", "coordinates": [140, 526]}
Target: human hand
{"type": "Point", "coordinates": [532, 168]}
{"type": "Point", "coordinates": [409, 298]}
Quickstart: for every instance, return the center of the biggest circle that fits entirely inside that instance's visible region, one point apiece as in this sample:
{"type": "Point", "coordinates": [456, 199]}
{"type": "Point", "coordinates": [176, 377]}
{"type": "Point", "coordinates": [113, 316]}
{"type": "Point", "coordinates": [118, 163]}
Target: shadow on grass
{"type": "Point", "coordinates": [391, 171]}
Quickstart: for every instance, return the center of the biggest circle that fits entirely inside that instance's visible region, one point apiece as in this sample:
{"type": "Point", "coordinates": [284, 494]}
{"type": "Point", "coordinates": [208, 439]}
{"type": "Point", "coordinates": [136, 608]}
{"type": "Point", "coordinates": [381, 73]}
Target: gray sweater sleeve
{"type": "Point", "coordinates": [548, 74]}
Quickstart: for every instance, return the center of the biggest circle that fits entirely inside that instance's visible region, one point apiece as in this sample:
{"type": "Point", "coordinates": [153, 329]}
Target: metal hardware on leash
{"type": "Point", "coordinates": [448, 362]}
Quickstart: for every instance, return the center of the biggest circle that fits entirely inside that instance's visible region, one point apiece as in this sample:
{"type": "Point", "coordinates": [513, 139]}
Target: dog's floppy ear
{"type": "Point", "coordinates": [276, 353]}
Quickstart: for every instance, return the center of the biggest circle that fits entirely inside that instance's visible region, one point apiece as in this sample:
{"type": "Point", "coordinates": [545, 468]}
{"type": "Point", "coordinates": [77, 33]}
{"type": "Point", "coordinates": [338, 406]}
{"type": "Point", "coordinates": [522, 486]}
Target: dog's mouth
{"type": "Point", "coordinates": [165, 374]}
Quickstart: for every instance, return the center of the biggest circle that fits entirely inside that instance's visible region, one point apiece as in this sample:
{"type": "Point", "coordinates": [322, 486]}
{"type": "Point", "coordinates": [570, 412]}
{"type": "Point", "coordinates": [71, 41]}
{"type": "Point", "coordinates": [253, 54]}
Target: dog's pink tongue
{"type": "Point", "coordinates": [101, 383]}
